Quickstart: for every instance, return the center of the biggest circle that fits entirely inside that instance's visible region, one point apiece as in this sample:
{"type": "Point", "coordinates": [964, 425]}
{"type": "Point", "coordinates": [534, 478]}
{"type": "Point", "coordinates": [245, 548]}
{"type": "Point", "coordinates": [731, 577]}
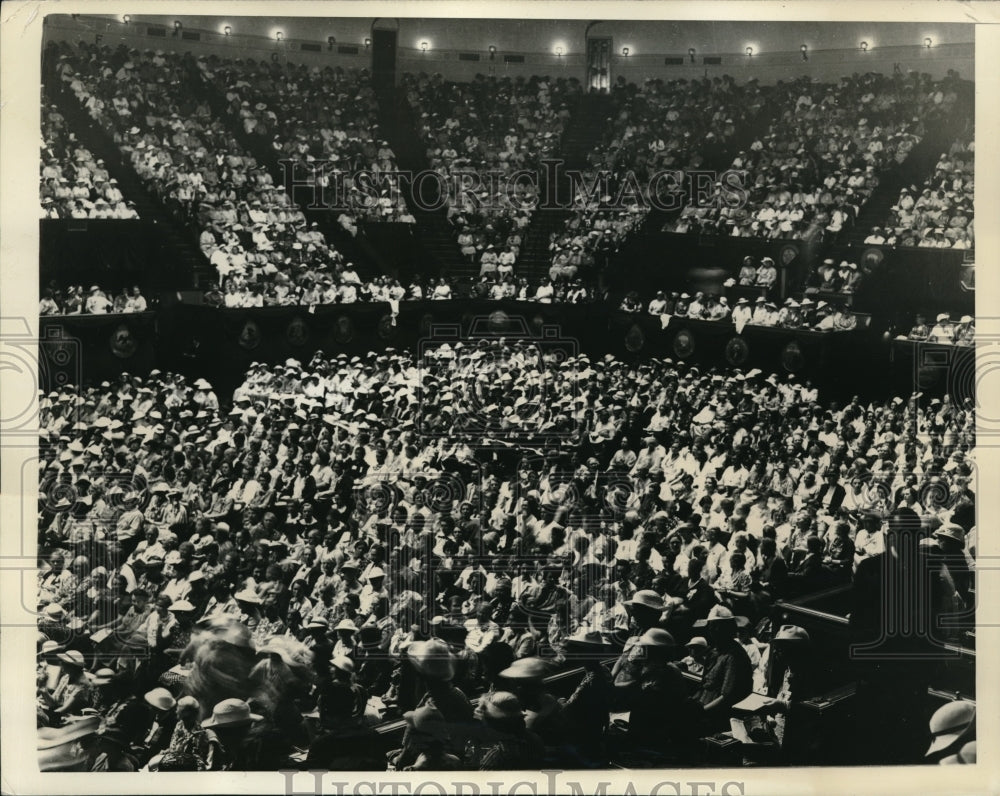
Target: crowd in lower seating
{"type": "Point", "coordinates": [318, 288]}
{"type": "Point", "coordinates": [248, 226]}
{"type": "Point", "coordinates": [820, 161]}
{"type": "Point", "coordinates": [252, 583]}
{"type": "Point", "coordinates": [313, 116]}
{"type": "Point", "coordinates": [478, 136]}
{"type": "Point", "coordinates": [819, 316]}
{"type": "Point", "coordinates": [939, 215]}
{"type": "Point", "coordinates": [74, 300]}
{"type": "Point", "coordinates": [73, 183]}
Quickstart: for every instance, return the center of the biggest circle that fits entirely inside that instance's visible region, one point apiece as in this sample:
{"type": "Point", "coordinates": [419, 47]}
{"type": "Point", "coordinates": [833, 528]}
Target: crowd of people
{"type": "Point", "coordinates": [74, 300]}
{"type": "Point", "coordinates": [944, 330]}
{"type": "Point", "coordinates": [820, 161]}
{"type": "Point", "coordinates": [939, 215]}
{"type": "Point", "coordinates": [819, 316]}
{"type": "Point", "coordinates": [240, 583]}
{"type": "Point", "coordinates": [73, 183]}
{"type": "Point", "coordinates": [313, 116]}
{"type": "Point", "coordinates": [659, 126]}
{"type": "Point", "coordinates": [479, 135]}
{"type": "Point", "coordinates": [320, 288]}
{"type": "Point", "coordinates": [247, 225]}
{"type": "Point", "coordinates": [829, 277]}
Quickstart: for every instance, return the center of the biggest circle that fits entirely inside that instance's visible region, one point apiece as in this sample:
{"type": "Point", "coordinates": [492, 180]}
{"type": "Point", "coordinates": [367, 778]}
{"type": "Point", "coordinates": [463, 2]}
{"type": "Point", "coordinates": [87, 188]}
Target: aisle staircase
{"type": "Point", "coordinates": [353, 249]}
{"type": "Point", "coordinates": [911, 173]}
{"type": "Point", "coordinates": [179, 241]}
{"type": "Point", "coordinates": [436, 252]}
{"type": "Point", "coordinates": [584, 132]}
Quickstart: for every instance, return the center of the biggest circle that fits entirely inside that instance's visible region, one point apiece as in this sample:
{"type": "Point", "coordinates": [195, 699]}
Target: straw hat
{"type": "Point", "coordinates": [231, 713]}
{"type": "Point", "coordinates": [790, 634]}
{"type": "Point", "coordinates": [248, 596]}
{"type": "Point", "coordinates": [951, 531]}
{"type": "Point", "coordinates": [429, 721]}
{"type": "Point", "coordinates": [161, 699]}
{"type": "Point", "coordinates": [655, 637]}
{"type": "Point", "coordinates": [501, 705]}
{"type": "Point", "coordinates": [103, 677]}
{"type": "Point", "coordinates": [720, 615]}
{"type": "Point", "coordinates": [949, 723]}
{"type": "Point", "coordinates": [526, 669]}
{"type": "Point", "coordinates": [432, 659]}
{"type": "Point", "coordinates": [73, 658]}
{"type": "Point", "coordinates": [584, 637]}
{"type": "Point", "coordinates": [343, 663]}
{"type": "Point", "coordinates": [647, 598]}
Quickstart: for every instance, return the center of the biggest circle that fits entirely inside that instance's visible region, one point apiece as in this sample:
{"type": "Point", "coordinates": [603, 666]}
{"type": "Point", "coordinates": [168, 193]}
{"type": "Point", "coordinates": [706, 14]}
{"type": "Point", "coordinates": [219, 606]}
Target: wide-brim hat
{"type": "Point", "coordinates": [73, 730]}
{"type": "Point", "coordinates": [73, 658]}
{"type": "Point", "coordinates": [647, 598]}
{"type": "Point", "coordinates": [248, 596]}
{"type": "Point", "coordinates": [432, 659]}
{"type": "Point", "coordinates": [526, 669]}
{"type": "Point", "coordinates": [584, 638]}
{"type": "Point", "coordinates": [657, 637]}
{"type": "Point", "coordinates": [231, 712]}
{"type": "Point", "coordinates": [428, 720]}
{"type": "Point", "coordinates": [102, 677]}
{"type": "Point", "coordinates": [500, 705]}
{"type": "Point", "coordinates": [57, 747]}
{"type": "Point", "coordinates": [343, 663]}
{"type": "Point", "coordinates": [949, 723]}
{"type": "Point", "coordinates": [160, 698]}
{"type": "Point", "coordinates": [951, 531]}
{"type": "Point", "coordinates": [790, 634]}
{"type": "Point", "coordinates": [721, 616]}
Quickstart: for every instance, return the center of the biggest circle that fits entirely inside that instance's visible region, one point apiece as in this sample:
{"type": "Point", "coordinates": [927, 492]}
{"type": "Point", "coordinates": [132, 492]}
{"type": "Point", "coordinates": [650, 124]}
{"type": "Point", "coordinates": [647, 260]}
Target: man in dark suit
{"type": "Point", "coordinates": [832, 493]}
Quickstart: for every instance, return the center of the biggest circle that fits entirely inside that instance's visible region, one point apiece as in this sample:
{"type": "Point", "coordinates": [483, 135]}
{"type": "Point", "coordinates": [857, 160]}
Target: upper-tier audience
{"type": "Point", "coordinates": [247, 225]}
{"type": "Point", "coordinates": [310, 116]}
{"type": "Point", "coordinates": [820, 161]}
{"type": "Point", "coordinates": [478, 135]}
{"type": "Point", "coordinates": [939, 215]}
{"type": "Point", "coordinates": [73, 183]}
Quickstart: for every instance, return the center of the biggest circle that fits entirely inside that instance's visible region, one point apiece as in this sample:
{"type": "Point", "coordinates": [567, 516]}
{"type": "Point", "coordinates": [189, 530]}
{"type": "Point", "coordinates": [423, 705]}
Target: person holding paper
{"type": "Point", "coordinates": [790, 682]}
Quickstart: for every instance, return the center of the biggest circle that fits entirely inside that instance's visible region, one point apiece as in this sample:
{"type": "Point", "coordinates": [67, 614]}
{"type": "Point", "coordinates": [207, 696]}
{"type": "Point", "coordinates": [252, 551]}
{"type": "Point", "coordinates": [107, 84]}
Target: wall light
{"type": "Point", "coordinates": [126, 18]}
{"type": "Point", "coordinates": [493, 52]}
{"type": "Point", "coordinates": [368, 42]}
{"type": "Point", "coordinates": [691, 52]}
{"type": "Point", "coordinates": [805, 52]}
{"type": "Point", "coordinates": [928, 42]}
{"type": "Point", "coordinates": [625, 51]}
{"type": "Point", "coordinates": [177, 24]}
{"type": "Point", "coordinates": [863, 46]}
{"type": "Point", "coordinates": [559, 50]}
{"type": "Point", "coordinates": [228, 30]}
{"type": "Point", "coordinates": [749, 52]}
{"type": "Point", "coordinates": [424, 45]}
{"type": "Point", "coordinates": [279, 35]}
